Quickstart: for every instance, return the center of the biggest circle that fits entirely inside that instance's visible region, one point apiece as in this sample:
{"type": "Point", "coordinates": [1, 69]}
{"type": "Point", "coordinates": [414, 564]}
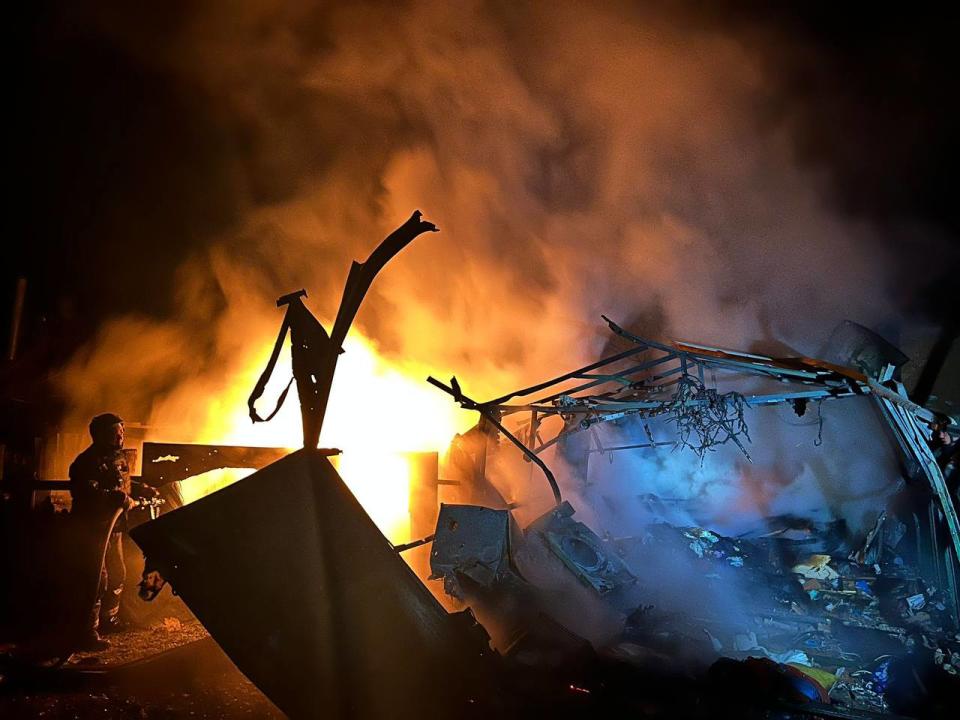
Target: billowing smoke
{"type": "Point", "coordinates": [837, 462]}
{"type": "Point", "coordinates": [578, 159]}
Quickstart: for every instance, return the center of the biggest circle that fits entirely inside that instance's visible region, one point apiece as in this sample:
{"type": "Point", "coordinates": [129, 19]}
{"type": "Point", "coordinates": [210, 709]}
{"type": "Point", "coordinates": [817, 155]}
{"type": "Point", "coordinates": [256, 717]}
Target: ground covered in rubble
{"type": "Point", "coordinates": [171, 669]}
{"type": "Point", "coordinates": [798, 616]}
{"type": "Point", "coordinates": [141, 643]}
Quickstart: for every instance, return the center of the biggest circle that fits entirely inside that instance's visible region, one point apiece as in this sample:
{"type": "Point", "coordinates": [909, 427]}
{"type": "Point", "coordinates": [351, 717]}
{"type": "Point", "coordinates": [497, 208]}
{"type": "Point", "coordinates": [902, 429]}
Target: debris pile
{"type": "Point", "coordinates": [815, 626]}
{"type": "Point", "coordinates": [796, 611]}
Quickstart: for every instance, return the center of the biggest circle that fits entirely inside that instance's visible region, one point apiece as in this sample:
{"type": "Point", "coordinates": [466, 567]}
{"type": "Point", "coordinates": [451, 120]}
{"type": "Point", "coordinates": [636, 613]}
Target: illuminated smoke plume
{"type": "Point", "coordinates": [579, 160]}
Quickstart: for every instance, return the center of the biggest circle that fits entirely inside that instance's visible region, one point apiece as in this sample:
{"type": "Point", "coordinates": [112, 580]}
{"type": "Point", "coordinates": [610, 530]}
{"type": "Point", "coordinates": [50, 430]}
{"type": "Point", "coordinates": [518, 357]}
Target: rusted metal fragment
{"type": "Point", "coordinates": [310, 600]}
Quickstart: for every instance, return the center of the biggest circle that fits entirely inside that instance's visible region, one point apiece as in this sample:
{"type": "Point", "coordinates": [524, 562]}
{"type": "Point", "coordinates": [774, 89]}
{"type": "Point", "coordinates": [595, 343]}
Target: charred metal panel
{"type": "Point", "coordinates": [581, 550]}
{"type": "Point", "coordinates": [473, 541]}
{"type": "Point", "coordinates": [309, 599]}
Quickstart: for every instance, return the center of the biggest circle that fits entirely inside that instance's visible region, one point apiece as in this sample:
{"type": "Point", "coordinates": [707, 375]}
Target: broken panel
{"type": "Point", "coordinates": [581, 550]}
{"type": "Point", "coordinates": [473, 542]}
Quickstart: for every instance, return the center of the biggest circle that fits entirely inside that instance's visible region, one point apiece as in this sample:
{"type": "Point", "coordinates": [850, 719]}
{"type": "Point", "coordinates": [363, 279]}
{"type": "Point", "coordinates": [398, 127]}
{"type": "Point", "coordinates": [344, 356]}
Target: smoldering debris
{"type": "Point", "coordinates": [471, 542]}
{"type": "Point", "coordinates": [822, 616]}
{"type": "Point", "coordinates": [817, 628]}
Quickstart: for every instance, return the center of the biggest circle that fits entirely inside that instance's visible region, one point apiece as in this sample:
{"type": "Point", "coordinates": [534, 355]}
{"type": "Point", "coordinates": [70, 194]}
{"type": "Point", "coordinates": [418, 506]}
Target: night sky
{"type": "Point", "coordinates": [122, 165]}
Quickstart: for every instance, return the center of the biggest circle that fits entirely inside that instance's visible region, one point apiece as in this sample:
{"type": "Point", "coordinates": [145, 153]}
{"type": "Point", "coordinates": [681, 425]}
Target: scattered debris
{"type": "Point", "coordinates": [820, 621]}
{"type": "Point", "coordinates": [816, 567]}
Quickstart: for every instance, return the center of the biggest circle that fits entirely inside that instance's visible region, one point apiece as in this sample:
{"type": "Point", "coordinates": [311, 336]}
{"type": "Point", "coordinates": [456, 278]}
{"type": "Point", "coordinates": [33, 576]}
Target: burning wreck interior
{"type": "Point", "coordinates": [724, 482]}
{"type": "Point", "coordinates": [623, 521]}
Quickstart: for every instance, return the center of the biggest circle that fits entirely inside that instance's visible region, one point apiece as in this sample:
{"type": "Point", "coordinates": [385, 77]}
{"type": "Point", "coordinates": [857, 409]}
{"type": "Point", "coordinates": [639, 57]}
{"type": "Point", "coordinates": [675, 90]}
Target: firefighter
{"type": "Point", "coordinates": [100, 485]}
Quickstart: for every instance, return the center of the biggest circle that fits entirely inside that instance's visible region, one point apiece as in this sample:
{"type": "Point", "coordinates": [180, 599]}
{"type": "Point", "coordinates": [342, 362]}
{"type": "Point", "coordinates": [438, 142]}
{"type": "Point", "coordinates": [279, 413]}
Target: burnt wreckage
{"type": "Point", "coordinates": [842, 621]}
{"type": "Point", "coordinates": [310, 600]}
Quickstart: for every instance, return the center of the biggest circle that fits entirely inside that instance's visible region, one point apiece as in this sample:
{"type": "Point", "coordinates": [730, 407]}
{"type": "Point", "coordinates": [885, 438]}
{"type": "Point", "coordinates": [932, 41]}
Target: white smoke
{"type": "Point", "coordinates": [578, 159]}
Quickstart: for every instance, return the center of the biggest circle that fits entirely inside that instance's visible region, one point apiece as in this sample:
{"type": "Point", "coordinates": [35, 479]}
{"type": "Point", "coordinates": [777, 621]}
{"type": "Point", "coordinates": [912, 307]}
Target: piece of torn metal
{"type": "Point", "coordinates": [581, 550]}
{"type": "Point", "coordinates": [314, 353]}
{"type": "Point", "coordinates": [471, 542]}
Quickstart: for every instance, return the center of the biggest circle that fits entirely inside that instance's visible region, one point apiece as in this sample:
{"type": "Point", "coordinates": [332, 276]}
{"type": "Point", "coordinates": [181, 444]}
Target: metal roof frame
{"type": "Point", "coordinates": [604, 391]}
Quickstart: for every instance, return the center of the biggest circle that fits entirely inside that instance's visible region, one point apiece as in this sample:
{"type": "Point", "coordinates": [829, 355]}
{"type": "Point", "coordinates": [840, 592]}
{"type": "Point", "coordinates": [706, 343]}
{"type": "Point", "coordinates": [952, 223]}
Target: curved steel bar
{"type": "Point", "coordinates": [454, 391]}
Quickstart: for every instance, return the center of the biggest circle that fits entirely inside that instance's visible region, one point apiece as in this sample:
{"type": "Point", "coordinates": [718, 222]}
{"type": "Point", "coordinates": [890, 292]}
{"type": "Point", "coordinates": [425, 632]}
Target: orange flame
{"type": "Point", "coordinates": [378, 409]}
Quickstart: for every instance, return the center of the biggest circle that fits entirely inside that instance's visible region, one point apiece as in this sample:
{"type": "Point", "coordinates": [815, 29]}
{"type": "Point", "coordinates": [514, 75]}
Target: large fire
{"type": "Point", "coordinates": [379, 409]}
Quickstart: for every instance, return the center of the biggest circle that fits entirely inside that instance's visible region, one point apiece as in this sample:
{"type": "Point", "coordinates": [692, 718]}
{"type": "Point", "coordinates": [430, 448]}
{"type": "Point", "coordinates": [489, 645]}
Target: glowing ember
{"type": "Point", "coordinates": [378, 410]}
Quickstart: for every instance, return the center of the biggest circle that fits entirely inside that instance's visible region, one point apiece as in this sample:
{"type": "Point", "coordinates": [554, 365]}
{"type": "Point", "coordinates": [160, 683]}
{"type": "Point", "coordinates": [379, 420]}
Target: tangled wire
{"type": "Point", "coordinates": [705, 418]}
